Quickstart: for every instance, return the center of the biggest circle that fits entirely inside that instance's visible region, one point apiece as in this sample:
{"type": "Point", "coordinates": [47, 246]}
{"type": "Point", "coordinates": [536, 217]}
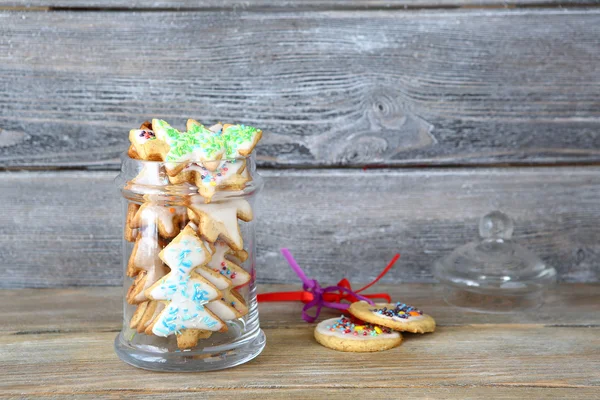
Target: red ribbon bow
{"type": "Point", "coordinates": [315, 296]}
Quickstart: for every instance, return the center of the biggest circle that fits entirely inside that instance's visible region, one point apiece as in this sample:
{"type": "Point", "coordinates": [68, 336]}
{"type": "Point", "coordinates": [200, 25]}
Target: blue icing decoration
{"type": "Point", "coordinates": [199, 293]}
{"type": "Point", "coordinates": [184, 292]}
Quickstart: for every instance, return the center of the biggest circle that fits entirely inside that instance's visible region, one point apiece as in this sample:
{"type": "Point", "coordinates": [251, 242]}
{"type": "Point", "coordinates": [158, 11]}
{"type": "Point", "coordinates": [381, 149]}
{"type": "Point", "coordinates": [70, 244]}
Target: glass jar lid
{"type": "Point", "coordinates": [495, 264]}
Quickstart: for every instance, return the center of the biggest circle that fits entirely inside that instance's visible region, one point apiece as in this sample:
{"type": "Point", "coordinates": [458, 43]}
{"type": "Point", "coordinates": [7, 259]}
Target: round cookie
{"type": "Point", "coordinates": [397, 316]}
{"type": "Point", "coordinates": [342, 335]}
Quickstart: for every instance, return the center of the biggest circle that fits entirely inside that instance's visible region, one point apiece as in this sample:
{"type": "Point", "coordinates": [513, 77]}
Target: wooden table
{"type": "Point", "coordinates": [59, 343]}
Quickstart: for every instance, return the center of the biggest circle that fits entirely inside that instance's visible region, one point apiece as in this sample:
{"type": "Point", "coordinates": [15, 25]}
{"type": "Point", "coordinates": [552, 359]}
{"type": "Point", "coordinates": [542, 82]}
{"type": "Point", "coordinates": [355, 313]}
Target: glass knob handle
{"type": "Point", "coordinates": [496, 225]}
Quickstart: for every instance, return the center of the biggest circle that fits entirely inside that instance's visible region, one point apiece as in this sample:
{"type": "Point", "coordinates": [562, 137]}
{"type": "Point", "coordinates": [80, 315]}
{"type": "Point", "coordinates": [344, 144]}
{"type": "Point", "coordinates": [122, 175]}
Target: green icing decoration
{"type": "Point", "coordinates": [197, 138]}
{"type": "Point", "coordinates": [236, 136]}
{"type": "Point", "coordinates": [200, 138]}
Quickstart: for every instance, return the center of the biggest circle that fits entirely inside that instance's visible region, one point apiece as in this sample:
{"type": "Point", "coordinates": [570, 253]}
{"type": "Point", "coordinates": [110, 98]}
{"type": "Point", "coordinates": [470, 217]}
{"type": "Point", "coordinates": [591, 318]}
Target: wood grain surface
{"type": "Point", "coordinates": [330, 88]}
{"type": "Point", "coordinates": [277, 5]}
{"type": "Point", "coordinates": [63, 228]}
{"type": "Point", "coordinates": [470, 355]}
{"type": "Point", "coordinates": [342, 393]}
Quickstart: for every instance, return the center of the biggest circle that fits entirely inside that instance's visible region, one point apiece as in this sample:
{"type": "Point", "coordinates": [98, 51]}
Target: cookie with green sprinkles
{"type": "Point", "coordinates": [397, 316]}
{"type": "Point", "coordinates": [343, 335]}
{"type": "Point", "coordinates": [239, 140]}
{"type": "Point", "coordinates": [198, 143]}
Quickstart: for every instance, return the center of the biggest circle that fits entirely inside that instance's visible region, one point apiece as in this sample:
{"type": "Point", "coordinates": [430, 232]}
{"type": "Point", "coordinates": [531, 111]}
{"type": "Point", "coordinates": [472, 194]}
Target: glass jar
{"type": "Point", "coordinates": [189, 290]}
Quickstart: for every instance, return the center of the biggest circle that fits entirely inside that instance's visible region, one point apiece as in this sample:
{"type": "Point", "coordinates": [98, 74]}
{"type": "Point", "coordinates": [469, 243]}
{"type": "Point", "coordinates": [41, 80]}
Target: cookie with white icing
{"type": "Point", "coordinates": [145, 314]}
{"type": "Point", "coordinates": [131, 151]}
{"type": "Point", "coordinates": [130, 233]}
{"type": "Point", "coordinates": [186, 339]}
{"type": "Point", "coordinates": [225, 275]}
{"type": "Point", "coordinates": [239, 140]}
{"type": "Point", "coordinates": [343, 335]}
{"type": "Point", "coordinates": [152, 312]}
{"type": "Point", "coordinates": [221, 308]}
{"type": "Point", "coordinates": [144, 255]}
{"type": "Point", "coordinates": [234, 299]}
{"type": "Point", "coordinates": [397, 316]}
{"type": "Point", "coordinates": [166, 220]}
{"type": "Point", "coordinates": [146, 145]}
{"type": "Point", "coordinates": [220, 220]}
{"type": "Point", "coordinates": [222, 261]}
{"type": "Point", "coordinates": [151, 180]}
{"type": "Point", "coordinates": [226, 175]}
{"type": "Point", "coordinates": [143, 281]}
{"type": "Point", "coordinates": [187, 309]}
{"type": "Point", "coordinates": [138, 314]}
{"type": "Point", "coordinates": [198, 143]}
{"type": "Point", "coordinates": [209, 172]}
{"type": "Point", "coordinates": [152, 174]}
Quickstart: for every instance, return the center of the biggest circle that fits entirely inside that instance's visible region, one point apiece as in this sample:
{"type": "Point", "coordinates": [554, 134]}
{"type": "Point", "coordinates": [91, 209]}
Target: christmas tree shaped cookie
{"type": "Point", "coordinates": [130, 233]}
{"type": "Point", "coordinates": [225, 266]}
{"type": "Point", "coordinates": [225, 275]}
{"type": "Point", "coordinates": [221, 307]}
{"type": "Point", "coordinates": [144, 255]}
{"type": "Point", "coordinates": [187, 292]}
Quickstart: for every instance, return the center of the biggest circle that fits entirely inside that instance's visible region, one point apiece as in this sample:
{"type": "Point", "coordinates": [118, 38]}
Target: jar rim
{"type": "Point", "coordinates": [141, 177]}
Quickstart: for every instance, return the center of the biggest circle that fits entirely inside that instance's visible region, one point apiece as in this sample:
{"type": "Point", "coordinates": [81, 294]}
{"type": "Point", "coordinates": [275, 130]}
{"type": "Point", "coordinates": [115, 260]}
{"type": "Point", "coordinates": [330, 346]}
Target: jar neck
{"type": "Point", "coordinates": [178, 183]}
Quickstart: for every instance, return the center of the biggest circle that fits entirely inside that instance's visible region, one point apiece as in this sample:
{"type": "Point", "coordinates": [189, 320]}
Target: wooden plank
{"type": "Point", "coordinates": [272, 5]}
{"type": "Point", "coordinates": [63, 228]}
{"type": "Point", "coordinates": [93, 309]}
{"type": "Point", "coordinates": [329, 88]}
{"type": "Point", "coordinates": [453, 393]}
{"type": "Point", "coordinates": [451, 358]}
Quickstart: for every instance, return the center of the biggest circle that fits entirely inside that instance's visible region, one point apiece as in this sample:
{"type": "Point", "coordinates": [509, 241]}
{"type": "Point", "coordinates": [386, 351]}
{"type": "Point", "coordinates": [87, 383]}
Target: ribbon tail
{"type": "Point", "coordinates": [383, 296]}
{"type": "Point", "coordinates": [332, 297]}
{"type": "Point", "coordinates": [285, 296]}
{"type": "Point", "coordinates": [306, 316]}
{"type": "Point", "coordinates": [381, 274]}
{"type": "Point", "coordinates": [337, 306]}
{"type": "Point", "coordinates": [350, 293]}
{"type": "Point", "coordinates": [296, 268]}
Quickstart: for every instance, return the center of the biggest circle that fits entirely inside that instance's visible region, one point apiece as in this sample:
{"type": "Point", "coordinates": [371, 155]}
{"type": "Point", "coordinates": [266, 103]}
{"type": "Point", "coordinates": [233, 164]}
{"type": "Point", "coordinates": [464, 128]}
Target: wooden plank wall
{"type": "Point", "coordinates": [456, 108]}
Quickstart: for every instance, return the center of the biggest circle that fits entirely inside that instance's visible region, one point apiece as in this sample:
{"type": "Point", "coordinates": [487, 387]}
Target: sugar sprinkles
{"type": "Point", "coordinates": [402, 311]}
{"type": "Point", "coordinates": [226, 271]}
{"type": "Point", "coordinates": [213, 178]}
{"type": "Point", "coordinates": [344, 326]}
{"type": "Point", "coordinates": [148, 135]}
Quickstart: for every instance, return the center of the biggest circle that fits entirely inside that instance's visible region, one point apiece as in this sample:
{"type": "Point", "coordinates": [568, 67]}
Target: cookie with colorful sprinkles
{"type": "Point", "coordinates": [397, 316]}
{"type": "Point", "coordinates": [343, 335]}
{"type": "Point", "coordinates": [145, 146]}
